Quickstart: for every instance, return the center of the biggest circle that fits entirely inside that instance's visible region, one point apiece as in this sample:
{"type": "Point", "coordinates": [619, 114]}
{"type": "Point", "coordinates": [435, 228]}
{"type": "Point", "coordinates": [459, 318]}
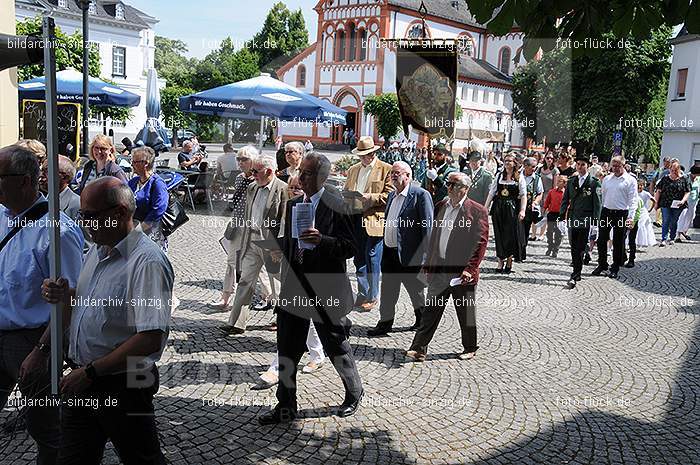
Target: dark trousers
{"type": "Point", "coordinates": [531, 217]}
{"type": "Point", "coordinates": [291, 345]}
{"type": "Point", "coordinates": [632, 241]}
{"type": "Point", "coordinates": [554, 234]}
{"type": "Point", "coordinates": [612, 222]}
{"type": "Point", "coordinates": [109, 410]}
{"type": "Point", "coordinates": [42, 422]}
{"type": "Point", "coordinates": [439, 292]}
{"type": "Point", "coordinates": [393, 276]}
{"type": "Point", "coordinates": [578, 240]}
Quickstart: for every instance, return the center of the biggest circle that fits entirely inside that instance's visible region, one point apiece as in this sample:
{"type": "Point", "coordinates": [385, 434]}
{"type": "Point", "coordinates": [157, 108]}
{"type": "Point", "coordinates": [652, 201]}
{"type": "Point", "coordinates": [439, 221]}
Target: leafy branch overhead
{"type": "Point", "coordinates": [543, 21]}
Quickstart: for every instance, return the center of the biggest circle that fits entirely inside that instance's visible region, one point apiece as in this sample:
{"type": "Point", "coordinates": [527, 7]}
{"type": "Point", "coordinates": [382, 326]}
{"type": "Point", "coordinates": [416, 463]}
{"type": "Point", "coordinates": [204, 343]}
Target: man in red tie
{"type": "Point", "coordinates": [315, 286]}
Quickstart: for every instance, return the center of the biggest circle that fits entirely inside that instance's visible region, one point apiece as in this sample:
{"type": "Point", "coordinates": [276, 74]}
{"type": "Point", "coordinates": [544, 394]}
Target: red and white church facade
{"type": "Point", "coordinates": [348, 62]}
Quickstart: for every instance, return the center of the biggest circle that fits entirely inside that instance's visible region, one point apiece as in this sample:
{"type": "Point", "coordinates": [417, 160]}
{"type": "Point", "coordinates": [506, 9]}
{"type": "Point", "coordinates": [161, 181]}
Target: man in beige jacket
{"type": "Point", "coordinates": [367, 188]}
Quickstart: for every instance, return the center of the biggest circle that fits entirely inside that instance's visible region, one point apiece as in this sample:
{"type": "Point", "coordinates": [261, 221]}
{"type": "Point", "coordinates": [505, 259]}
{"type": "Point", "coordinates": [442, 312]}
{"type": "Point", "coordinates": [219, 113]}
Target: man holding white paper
{"type": "Point", "coordinates": [457, 247]}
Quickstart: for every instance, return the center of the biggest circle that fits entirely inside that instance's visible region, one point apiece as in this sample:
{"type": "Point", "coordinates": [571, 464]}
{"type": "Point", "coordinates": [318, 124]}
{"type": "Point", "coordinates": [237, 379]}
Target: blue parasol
{"type": "Point", "coordinates": [153, 133]}
{"type": "Point", "coordinates": [69, 88]}
{"type": "Point", "coordinates": [259, 97]}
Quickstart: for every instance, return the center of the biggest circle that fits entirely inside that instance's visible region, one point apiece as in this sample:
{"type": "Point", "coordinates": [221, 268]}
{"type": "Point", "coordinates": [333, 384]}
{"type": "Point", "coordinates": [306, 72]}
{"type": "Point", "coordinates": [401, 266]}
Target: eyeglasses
{"type": "Point", "coordinates": [133, 162]}
{"type": "Point", "coordinates": [453, 184]}
{"type": "Point", "coordinates": [242, 159]}
{"type": "Point", "coordinates": [9, 175]}
{"type": "Point", "coordinates": [91, 215]}
{"type": "Point", "coordinates": [104, 149]}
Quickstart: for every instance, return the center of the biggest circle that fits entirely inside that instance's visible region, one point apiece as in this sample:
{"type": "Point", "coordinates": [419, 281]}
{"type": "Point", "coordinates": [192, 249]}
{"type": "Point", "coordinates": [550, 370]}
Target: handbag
{"type": "Point", "coordinates": [174, 216]}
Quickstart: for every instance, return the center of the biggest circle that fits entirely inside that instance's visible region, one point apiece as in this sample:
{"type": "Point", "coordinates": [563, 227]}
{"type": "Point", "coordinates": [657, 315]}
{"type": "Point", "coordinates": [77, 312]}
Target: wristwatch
{"type": "Point", "coordinates": [90, 372]}
{"type": "Point", "coordinates": [43, 348]}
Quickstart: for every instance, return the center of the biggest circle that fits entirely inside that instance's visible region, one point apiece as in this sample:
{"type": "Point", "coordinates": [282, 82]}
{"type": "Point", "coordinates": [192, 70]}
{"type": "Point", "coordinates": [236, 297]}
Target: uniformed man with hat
{"type": "Point", "coordinates": [481, 178]}
{"type": "Point", "coordinates": [436, 177]}
{"type": "Point", "coordinates": [580, 207]}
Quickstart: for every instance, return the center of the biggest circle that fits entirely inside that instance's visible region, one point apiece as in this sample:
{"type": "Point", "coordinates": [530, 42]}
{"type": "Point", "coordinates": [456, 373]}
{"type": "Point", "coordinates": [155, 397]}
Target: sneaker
{"type": "Point", "coordinates": [662, 243]}
{"type": "Point", "coordinates": [311, 367]}
{"type": "Point", "coordinates": [467, 355]}
{"type": "Point", "coordinates": [670, 242]}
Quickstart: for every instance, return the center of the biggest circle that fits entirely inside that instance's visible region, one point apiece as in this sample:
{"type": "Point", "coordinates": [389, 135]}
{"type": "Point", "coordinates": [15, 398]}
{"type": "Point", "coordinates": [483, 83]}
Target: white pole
{"type": "Point", "coordinates": [262, 130]}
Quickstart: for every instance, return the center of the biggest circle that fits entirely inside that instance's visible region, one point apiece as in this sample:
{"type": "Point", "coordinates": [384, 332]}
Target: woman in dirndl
{"type": "Point", "coordinates": [507, 201]}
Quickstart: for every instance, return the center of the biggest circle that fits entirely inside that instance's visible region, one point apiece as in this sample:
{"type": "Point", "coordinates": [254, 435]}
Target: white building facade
{"type": "Point", "coordinates": [348, 63]}
{"type": "Point", "coordinates": [681, 137]}
{"type": "Point", "coordinates": [125, 39]}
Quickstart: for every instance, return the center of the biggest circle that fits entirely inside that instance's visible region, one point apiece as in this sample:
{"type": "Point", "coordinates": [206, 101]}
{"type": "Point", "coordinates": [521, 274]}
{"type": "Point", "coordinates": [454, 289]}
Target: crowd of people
{"type": "Point", "coordinates": [405, 215]}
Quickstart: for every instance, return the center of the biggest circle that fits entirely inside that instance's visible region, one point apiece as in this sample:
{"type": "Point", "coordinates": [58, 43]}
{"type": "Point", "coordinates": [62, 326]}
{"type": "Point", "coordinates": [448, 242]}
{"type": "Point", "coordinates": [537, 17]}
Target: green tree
{"type": "Point", "coordinates": [584, 98]}
{"type": "Point", "coordinates": [542, 21]}
{"type": "Point", "coordinates": [171, 63]}
{"type": "Point", "coordinates": [385, 109]}
{"type": "Point", "coordinates": [172, 116]}
{"type": "Point", "coordinates": [283, 35]}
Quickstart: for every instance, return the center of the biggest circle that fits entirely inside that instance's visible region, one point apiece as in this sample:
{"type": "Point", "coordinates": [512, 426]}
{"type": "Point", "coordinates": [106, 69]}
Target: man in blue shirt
{"type": "Point", "coordinates": [24, 315]}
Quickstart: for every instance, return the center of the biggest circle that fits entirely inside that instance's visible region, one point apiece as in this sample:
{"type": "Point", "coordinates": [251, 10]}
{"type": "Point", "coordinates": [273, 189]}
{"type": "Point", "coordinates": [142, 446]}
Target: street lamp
{"type": "Point", "coordinates": [499, 117]}
{"type": "Point", "coordinates": [84, 5]}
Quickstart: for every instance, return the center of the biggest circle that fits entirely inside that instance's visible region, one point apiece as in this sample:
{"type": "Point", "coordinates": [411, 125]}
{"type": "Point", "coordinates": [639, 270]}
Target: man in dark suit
{"type": "Point", "coordinates": [408, 221]}
{"type": "Point", "coordinates": [457, 247]}
{"type": "Point", "coordinates": [315, 286]}
{"type": "Point", "coordinates": [580, 206]}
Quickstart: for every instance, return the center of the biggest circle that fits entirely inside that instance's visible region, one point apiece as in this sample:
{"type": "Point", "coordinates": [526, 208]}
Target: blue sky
{"type": "Point", "coordinates": [202, 24]}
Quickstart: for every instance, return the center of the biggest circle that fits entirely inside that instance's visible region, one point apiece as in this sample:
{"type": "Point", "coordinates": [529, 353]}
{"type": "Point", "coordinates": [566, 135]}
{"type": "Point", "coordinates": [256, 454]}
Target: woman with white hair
{"type": "Point", "coordinates": [151, 195]}
{"type": "Point", "coordinates": [234, 230]}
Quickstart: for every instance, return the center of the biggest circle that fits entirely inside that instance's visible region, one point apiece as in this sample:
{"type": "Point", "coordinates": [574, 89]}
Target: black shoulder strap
{"type": "Point", "coordinates": [34, 213]}
{"type": "Point", "coordinates": [87, 168]}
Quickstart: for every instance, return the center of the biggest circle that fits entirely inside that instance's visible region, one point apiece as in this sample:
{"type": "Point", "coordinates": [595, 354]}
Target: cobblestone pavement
{"type": "Point", "coordinates": [606, 373]}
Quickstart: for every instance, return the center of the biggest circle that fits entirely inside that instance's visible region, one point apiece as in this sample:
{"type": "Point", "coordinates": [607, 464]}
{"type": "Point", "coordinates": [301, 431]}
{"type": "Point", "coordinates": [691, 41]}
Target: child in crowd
{"type": "Point", "coordinates": [552, 204]}
{"type": "Point", "coordinates": [645, 231]}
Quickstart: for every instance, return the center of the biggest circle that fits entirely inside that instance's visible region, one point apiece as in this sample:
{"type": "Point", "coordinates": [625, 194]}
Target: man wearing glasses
{"type": "Point", "coordinates": [457, 247]}
{"type": "Point", "coordinates": [120, 313]}
{"type": "Point", "coordinates": [25, 344]}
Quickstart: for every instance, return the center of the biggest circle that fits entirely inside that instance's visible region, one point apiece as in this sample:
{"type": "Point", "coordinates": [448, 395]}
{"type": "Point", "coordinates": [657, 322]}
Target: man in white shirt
{"type": "Point", "coordinates": [409, 218]}
{"type": "Point", "coordinates": [619, 205]}
{"type": "Point", "coordinates": [266, 201]}
{"type": "Point", "coordinates": [457, 247]}
{"type": "Point", "coordinates": [226, 164]}
{"type": "Point", "coordinates": [119, 322]}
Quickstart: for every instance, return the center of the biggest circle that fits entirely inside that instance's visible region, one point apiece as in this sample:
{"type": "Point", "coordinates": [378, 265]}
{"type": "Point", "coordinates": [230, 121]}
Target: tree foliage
{"type": "Point", "coordinates": [584, 98]}
{"type": "Point", "coordinates": [283, 35]}
{"type": "Point", "coordinates": [385, 109]}
{"type": "Point", "coordinates": [544, 20]}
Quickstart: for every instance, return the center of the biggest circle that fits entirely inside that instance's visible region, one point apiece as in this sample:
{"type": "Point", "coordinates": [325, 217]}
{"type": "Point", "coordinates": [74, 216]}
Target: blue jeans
{"type": "Point", "coordinates": [368, 262]}
{"type": "Point", "coordinates": [669, 221]}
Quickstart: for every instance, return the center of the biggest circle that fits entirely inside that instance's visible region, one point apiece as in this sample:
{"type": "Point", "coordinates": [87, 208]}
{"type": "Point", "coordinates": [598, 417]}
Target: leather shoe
{"type": "Point", "coordinates": [277, 415]}
{"type": "Point", "coordinates": [629, 264]}
{"type": "Point", "coordinates": [598, 270]}
{"type": "Point", "coordinates": [368, 306]}
{"type": "Point", "coordinates": [232, 330]}
{"type": "Point", "coordinates": [266, 381]}
{"type": "Point", "coordinates": [571, 283]}
{"type": "Point", "coordinates": [382, 329]}
{"type": "Point", "coordinates": [349, 407]}
{"type": "Point", "coordinates": [587, 258]}
{"type": "Point", "coordinates": [612, 274]}
{"type": "Point", "coordinates": [415, 356]}
{"type": "Point", "coordinates": [415, 326]}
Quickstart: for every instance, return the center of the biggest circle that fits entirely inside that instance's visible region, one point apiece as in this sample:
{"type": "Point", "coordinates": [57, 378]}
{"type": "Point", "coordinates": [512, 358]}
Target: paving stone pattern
{"type": "Point", "coordinates": [606, 373]}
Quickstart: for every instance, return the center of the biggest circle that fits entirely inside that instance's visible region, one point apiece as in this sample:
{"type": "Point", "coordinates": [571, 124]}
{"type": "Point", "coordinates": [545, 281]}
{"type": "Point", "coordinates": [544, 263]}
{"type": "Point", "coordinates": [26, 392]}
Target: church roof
{"type": "Point", "coordinates": [106, 11]}
{"type": "Point", "coordinates": [481, 70]}
{"type": "Point", "coordinates": [442, 9]}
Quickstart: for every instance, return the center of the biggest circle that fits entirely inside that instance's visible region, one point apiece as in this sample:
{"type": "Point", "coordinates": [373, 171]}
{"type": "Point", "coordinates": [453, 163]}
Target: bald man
{"type": "Point", "coordinates": [119, 323]}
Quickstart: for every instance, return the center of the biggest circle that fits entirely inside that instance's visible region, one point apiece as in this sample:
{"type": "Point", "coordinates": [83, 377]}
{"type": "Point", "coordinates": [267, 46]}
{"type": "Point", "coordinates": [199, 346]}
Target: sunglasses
{"type": "Point", "coordinates": [452, 184]}
{"type": "Point", "coordinates": [242, 159]}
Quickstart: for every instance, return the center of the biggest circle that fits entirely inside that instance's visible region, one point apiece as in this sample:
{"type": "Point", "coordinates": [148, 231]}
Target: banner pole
{"type": "Point", "coordinates": [56, 324]}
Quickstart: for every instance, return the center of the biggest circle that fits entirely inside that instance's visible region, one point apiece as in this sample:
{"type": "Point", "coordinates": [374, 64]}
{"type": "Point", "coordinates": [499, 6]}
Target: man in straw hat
{"type": "Point", "coordinates": [369, 183]}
